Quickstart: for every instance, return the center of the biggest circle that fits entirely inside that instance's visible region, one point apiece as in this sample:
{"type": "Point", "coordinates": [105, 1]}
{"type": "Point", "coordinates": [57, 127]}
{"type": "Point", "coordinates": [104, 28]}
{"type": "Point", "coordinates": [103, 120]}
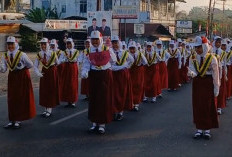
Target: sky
{"type": "Point", "coordinates": [193, 3]}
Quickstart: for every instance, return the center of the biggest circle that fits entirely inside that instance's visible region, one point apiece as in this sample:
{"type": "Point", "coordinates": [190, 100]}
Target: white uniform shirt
{"type": "Point", "coordinates": [48, 56]}
{"type": "Point", "coordinates": [178, 55]}
{"type": "Point", "coordinates": [127, 64]}
{"type": "Point", "coordinates": [24, 61]}
{"type": "Point", "coordinates": [213, 70]}
{"type": "Point", "coordinates": [143, 60]}
{"type": "Point", "coordinates": [63, 58]}
{"type": "Point", "coordinates": [149, 55]}
{"type": "Point", "coordinates": [166, 55]}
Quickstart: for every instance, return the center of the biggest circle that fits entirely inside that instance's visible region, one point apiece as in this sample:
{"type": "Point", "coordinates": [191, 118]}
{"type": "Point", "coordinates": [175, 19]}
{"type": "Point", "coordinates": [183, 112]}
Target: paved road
{"type": "Point", "coordinates": [163, 129]}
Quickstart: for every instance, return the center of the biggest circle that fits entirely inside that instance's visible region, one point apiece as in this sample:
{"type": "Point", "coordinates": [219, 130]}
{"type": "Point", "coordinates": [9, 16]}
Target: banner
{"type": "Point", "coordinates": [101, 21]}
{"type": "Point", "coordinates": [66, 24]}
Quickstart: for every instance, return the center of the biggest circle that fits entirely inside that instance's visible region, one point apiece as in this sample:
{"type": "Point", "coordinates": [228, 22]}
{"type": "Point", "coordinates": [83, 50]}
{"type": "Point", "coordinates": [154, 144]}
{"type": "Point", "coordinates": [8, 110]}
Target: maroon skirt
{"type": "Point", "coordinates": [100, 96]}
{"type": "Point", "coordinates": [49, 88]}
{"type": "Point", "coordinates": [85, 87]}
{"type": "Point", "coordinates": [152, 81]}
{"type": "Point", "coordinates": [21, 102]}
{"type": "Point", "coordinates": [173, 73]}
{"type": "Point", "coordinates": [229, 81]}
{"type": "Point", "coordinates": [60, 70]}
{"type": "Point", "coordinates": [123, 96]}
{"type": "Point", "coordinates": [137, 79]}
{"type": "Point", "coordinates": [204, 103]}
{"type": "Point", "coordinates": [221, 100]}
{"type": "Point", "coordinates": [163, 75]}
{"type": "Point", "coordinates": [183, 73]}
{"type": "Point", "coordinates": [69, 86]}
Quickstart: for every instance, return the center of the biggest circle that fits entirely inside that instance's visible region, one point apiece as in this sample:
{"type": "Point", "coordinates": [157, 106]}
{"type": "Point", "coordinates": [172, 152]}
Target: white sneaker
{"type": "Point", "coordinates": [219, 111]}
{"type": "Point", "coordinates": [153, 100]}
{"type": "Point", "coordinates": [145, 99]}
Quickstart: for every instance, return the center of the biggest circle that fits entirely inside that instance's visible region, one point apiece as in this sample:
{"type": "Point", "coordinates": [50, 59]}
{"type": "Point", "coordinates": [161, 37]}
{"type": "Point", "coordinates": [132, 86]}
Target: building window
{"type": "Point", "coordinates": [83, 6]}
{"type": "Point", "coordinates": [108, 5]}
{"type": "Point", "coordinates": [63, 8]}
{"type": "Point", "coordinates": [45, 4]}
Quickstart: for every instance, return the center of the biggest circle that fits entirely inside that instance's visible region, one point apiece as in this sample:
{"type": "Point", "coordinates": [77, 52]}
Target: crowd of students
{"type": "Point", "coordinates": [117, 77]}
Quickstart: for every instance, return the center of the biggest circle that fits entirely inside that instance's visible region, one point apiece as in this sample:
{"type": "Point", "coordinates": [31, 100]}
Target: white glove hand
{"type": "Point", "coordinates": [116, 68]}
{"type": "Point", "coordinates": [191, 73]}
{"type": "Point", "coordinates": [39, 74]}
{"type": "Point", "coordinates": [179, 67]}
{"type": "Point", "coordinates": [125, 66]}
{"type": "Point", "coordinates": [84, 74]}
{"type": "Point", "coordinates": [226, 78]}
{"type": "Point", "coordinates": [216, 92]}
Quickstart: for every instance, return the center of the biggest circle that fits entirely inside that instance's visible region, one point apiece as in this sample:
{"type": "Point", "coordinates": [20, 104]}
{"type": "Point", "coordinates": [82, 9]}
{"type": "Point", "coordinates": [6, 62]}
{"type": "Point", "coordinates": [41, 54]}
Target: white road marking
{"type": "Point", "coordinates": [68, 117]}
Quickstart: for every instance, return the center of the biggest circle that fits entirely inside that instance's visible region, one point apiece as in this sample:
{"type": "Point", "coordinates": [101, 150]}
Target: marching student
{"type": "Point", "coordinates": [69, 88]}
{"type": "Point", "coordinates": [122, 87]}
{"type": "Point", "coordinates": [85, 82]}
{"type": "Point", "coordinates": [97, 65]}
{"type": "Point", "coordinates": [163, 71]}
{"type": "Point", "coordinates": [174, 64]}
{"type": "Point", "coordinates": [124, 46]}
{"type": "Point", "coordinates": [229, 73]}
{"type": "Point", "coordinates": [60, 68]}
{"type": "Point", "coordinates": [220, 55]}
{"type": "Point", "coordinates": [137, 75]}
{"type": "Point", "coordinates": [49, 84]}
{"type": "Point", "coordinates": [152, 85]}
{"type": "Point", "coordinates": [184, 69]}
{"type": "Point", "coordinates": [20, 97]}
{"type": "Point", "coordinates": [203, 68]}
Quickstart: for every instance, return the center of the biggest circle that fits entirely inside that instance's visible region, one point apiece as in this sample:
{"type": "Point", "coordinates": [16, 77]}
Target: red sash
{"type": "Point", "coordinates": [99, 58]}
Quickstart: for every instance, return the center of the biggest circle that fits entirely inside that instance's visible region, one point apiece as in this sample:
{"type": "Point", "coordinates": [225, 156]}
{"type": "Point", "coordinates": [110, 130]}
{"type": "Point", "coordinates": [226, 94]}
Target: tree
{"type": "Point", "coordinates": [40, 15]}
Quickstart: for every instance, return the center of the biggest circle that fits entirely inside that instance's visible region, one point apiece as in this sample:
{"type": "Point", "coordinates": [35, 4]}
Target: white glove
{"type": "Point", "coordinates": [191, 73]}
{"type": "Point", "coordinates": [125, 66]}
{"type": "Point", "coordinates": [216, 91]}
{"type": "Point", "coordinates": [84, 74]}
{"type": "Point", "coordinates": [179, 67]}
{"type": "Point", "coordinates": [116, 68]}
{"type": "Point", "coordinates": [39, 74]}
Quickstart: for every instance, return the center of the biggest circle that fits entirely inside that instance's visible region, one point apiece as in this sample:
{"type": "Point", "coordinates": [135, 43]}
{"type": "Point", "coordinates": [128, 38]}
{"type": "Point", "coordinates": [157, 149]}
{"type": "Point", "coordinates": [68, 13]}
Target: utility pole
{"type": "Point", "coordinates": [208, 21]}
{"type": "Point", "coordinates": [211, 22]}
{"type": "Point", "coordinates": [2, 6]}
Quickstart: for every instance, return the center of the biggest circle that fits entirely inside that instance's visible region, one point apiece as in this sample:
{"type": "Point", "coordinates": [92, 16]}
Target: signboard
{"type": "Point", "coordinates": [125, 12]}
{"type": "Point", "coordinates": [184, 30]}
{"type": "Point", "coordinates": [101, 21]}
{"type": "Point", "coordinates": [184, 24]}
{"type": "Point", "coordinates": [66, 24]}
{"type": "Point", "coordinates": [125, 9]}
{"type": "Point", "coordinates": [139, 29]}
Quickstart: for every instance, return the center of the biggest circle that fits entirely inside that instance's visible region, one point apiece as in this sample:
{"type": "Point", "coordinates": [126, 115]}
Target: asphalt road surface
{"type": "Point", "coordinates": [163, 129]}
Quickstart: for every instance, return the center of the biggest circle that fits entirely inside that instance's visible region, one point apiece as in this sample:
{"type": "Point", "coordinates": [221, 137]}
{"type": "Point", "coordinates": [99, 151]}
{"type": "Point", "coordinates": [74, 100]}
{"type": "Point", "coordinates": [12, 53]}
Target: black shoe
{"type": "Point", "coordinates": [101, 130]}
{"type": "Point", "coordinates": [93, 129]}
{"type": "Point", "coordinates": [136, 109]}
{"type": "Point", "coordinates": [47, 115]}
{"type": "Point", "coordinates": [119, 117]}
{"type": "Point", "coordinates": [70, 105]}
{"type": "Point", "coordinates": [198, 135]}
{"type": "Point", "coordinates": [115, 117]}
{"type": "Point", "coordinates": [207, 136]}
{"type": "Point", "coordinates": [9, 125]}
{"type": "Point", "coordinates": [17, 125]}
{"type": "Point", "coordinates": [86, 99]}
{"type": "Point", "coordinates": [43, 114]}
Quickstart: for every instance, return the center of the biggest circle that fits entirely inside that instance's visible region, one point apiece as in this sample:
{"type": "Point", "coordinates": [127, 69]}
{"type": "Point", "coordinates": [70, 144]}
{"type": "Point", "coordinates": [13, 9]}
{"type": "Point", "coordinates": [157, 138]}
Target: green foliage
{"type": "Point", "coordinates": [40, 15]}
{"type": "Point", "coordinates": [28, 40]}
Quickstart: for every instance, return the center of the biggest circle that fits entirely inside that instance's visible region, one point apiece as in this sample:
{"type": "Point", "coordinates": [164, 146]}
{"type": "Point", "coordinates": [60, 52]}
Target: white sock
{"type": "Point", "coordinates": [121, 113]}
{"type": "Point", "coordinates": [94, 124]}
{"type": "Point", "coordinates": [136, 105]}
{"type": "Point", "coordinates": [49, 110]}
{"type": "Point", "coordinates": [102, 125]}
{"type": "Point", "coordinates": [207, 131]}
{"type": "Point", "coordinates": [200, 131]}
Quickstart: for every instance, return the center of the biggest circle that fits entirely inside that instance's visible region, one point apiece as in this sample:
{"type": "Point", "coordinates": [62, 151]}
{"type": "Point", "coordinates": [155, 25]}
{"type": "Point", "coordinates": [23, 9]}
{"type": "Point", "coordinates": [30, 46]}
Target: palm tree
{"type": "Point", "coordinates": [40, 15]}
